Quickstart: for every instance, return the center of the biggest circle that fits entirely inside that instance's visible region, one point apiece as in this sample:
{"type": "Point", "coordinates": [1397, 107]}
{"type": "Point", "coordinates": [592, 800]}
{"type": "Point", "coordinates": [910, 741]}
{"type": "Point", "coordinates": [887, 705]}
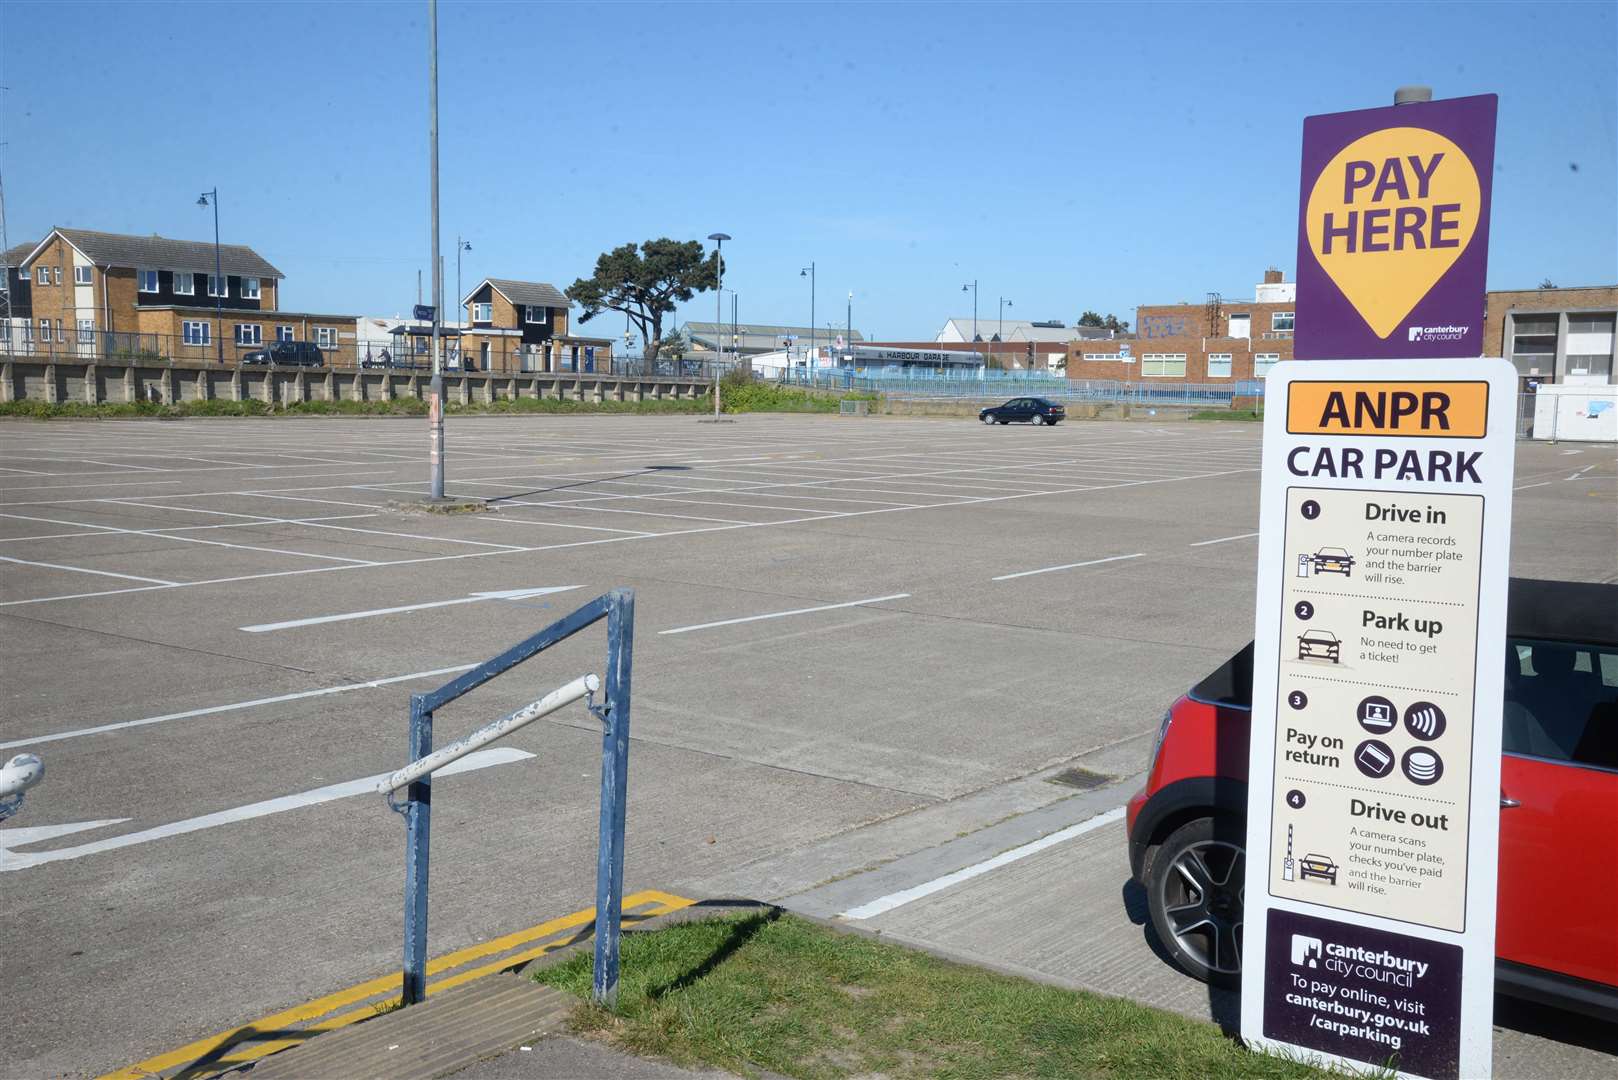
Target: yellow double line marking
{"type": "Point", "coordinates": [278, 1031]}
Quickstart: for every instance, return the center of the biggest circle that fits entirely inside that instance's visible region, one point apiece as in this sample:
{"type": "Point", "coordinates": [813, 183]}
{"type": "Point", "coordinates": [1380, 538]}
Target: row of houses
{"type": "Point", "coordinates": [92, 294]}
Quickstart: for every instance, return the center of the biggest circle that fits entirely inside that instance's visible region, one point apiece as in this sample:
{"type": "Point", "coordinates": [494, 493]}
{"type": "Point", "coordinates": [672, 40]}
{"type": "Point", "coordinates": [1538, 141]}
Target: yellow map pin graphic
{"type": "Point", "coordinates": [1389, 216]}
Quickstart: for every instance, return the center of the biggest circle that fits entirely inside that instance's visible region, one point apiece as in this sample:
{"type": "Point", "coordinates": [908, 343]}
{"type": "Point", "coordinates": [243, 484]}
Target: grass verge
{"type": "Point", "coordinates": [1249, 415]}
{"type": "Point", "coordinates": [751, 992]}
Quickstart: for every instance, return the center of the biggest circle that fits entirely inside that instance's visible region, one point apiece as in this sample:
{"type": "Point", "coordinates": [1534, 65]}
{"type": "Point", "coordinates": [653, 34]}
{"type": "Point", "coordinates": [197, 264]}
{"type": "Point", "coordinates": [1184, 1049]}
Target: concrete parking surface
{"type": "Point", "coordinates": [857, 639]}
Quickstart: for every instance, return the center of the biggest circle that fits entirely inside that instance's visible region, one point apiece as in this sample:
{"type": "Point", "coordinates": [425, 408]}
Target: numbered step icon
{"type": "Point", "coordinates": [1298, 699]}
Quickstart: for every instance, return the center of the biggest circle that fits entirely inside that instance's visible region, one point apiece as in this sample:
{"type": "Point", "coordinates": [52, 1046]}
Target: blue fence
{"type": "Point", "coordinates": [915, 384]}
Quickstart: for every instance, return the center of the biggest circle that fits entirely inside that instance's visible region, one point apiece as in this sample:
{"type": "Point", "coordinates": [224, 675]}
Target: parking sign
{"type": "Point", "coordinates": [1374, 769]}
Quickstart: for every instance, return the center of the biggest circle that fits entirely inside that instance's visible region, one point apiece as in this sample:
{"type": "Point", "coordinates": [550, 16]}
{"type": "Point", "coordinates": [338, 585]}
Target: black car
{"type": "Point", "coordinates": [288, 354]}
{"type": "Point", "coordinates": [1024, 410]}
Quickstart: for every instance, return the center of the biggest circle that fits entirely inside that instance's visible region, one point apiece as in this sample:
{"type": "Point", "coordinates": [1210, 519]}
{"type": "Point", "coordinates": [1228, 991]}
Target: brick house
{"type": "Point", "coordinates": [523, 326]}
{"type": "Point", "coordinates": [95, 293]}
{"type": "Point", "coordinates": [1213, 342]}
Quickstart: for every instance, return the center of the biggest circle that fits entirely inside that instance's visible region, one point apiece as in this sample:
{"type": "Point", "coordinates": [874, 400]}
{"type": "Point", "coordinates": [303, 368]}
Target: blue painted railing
{"type": "Point", "coordinates": [618, 608]}
{"type": "Point", "coordinates": [975, 385]}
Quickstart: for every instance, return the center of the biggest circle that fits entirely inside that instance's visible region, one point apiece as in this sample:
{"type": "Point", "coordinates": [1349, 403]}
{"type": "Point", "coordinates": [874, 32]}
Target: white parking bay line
{"type": "Point", "coordinates": [1068, 566]}
{"type": "Point", "coordinates": [1223, 540]}
{"type": "Point", "coordinates": [784, 614]}
{"type": "Point", "coordinates": [235, 706]}
{"type": "Point", "coordinates": [86, 570]}
{"type": "Point", "coordinates": [899, 899]}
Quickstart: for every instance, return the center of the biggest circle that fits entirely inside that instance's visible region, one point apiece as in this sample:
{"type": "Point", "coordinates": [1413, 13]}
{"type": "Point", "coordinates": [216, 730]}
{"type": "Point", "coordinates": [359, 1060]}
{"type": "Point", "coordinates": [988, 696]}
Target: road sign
{"type": "Point", "coordinates": [1393, 230]}
{"type": "Point", "coordinates": [423, 313]}
{"type": "Point", "coordinates": [1373, 799]}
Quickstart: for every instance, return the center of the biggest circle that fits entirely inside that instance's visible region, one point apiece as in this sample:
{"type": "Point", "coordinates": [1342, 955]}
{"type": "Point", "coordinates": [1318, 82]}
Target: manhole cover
{"type": "Point", "coordinates": [1083, 779]}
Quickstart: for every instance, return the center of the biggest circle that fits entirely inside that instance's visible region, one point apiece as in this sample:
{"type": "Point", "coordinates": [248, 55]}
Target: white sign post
{"type": "Point", "coordinates": [1374, 771]}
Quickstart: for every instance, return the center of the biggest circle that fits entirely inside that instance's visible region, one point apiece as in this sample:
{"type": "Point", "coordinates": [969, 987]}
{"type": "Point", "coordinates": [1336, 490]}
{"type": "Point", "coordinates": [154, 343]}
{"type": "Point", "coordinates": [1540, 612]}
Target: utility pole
{"type": "Point", "coordinates": [850, 337]}
{"type": "Point", "coordinates": [810, 270]}
{"type": "Point", "coordinates": [718, 239]}
{"type": "Point", "coordinates": [435, 394]}
{"type": "Point", "coordinates": [219, 288]}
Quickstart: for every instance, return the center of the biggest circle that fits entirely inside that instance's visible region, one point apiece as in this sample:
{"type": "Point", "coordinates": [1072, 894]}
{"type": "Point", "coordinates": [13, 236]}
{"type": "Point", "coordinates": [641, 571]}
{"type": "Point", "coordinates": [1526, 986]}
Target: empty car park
{"type": "Point", "coordinates": [838, 621]}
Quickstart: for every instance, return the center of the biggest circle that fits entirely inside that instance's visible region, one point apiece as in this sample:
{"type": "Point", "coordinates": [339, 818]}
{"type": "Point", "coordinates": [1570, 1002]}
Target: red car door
{"type": "Point", "coordinates": [1558, 885]}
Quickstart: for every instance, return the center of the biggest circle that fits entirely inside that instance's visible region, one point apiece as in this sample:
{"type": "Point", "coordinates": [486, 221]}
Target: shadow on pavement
{"type": "Point", "coordinates": [1224, 1006]}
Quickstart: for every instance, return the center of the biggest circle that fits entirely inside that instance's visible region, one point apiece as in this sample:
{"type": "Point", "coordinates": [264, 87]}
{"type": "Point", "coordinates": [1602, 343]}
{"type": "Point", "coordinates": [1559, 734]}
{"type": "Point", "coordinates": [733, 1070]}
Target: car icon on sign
{"type": "Point", "coordinates": [1317, 866]}
{"type": "Point", "coordinates": [1319, 645]}
{"type": "Point", "coordinates": [1333, 560]}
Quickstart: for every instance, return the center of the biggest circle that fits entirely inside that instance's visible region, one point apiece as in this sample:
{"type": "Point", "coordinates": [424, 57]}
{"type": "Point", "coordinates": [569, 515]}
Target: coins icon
{"type": "Point", "coordinates": [1422, 766]}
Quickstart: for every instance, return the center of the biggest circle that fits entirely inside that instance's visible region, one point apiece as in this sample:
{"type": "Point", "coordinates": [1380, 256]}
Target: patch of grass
{"type": "Point", "coordinates": [755, 992]}
{"type": "Point", "coordinates": [1249, 415]}
{"type": "Point", "coordinates": [741, 394]}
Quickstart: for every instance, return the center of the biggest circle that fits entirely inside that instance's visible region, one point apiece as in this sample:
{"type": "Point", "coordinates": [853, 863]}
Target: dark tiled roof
{"type": "Point", "coordinates": [537, 293]}
{"type": "Point", "coordinates": [160, 253]}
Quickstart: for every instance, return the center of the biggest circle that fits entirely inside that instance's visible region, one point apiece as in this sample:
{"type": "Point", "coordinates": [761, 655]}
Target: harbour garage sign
{"type": "Point", "coordinates": [1393, 231]}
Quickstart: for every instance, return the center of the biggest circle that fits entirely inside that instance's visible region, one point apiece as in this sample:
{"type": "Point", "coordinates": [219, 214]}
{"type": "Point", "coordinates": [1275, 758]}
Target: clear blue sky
{"type": "Point", "coordinates": [1065, 156]}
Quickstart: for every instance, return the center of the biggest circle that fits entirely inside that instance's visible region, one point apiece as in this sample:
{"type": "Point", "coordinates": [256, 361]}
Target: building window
{"type": "Point", "coordinates": [1593, 364]}
{"type": "Point", "coordinates": [219, 286]}
{"type": "Point", "coordinates": [249, 288]}
{"type": "Point", "coordinates": [283, 333]}
{"type": "Point", "coordinates": [43, 275]}
{"type": "Point", "coordinates": [1281, 320]}
{"type": "Point", "coordinates": [1219, 365]}
{"type": "Point", "coordinates": [81, 275]}
{"type": "Point", "coordinates": [185, 284]}
{"type": "Point", "coordinates": [249, 334]}
{"type": "Point", "coordinates": [1241, 326]}
{"type": "Point", "coordinates": [1588, 324]}
{"type": "Point", "coordinates": [44, 329]}
{"type": "Point", "coordinates": [482, 312]}
{"type": "Point", "coordinates": [326, 337]}
{"type": "Point", "coordinates": [533, 313]}
{"type": "Point", "coordinates": [1263, 362]}
{"type": "Point", "coordinates": [1163, 365]}
{"type": "Point", "coordinates": [87, 331]}
{"type": "Point", "coordinates": [148, 280]}
{"type": "Point", "coordinates": [196, 333]}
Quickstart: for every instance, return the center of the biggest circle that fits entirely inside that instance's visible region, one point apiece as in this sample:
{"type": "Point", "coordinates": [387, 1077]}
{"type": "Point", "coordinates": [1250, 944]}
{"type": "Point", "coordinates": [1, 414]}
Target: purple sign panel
{"type": "Point", "coordinates": [1363, 994]}
{"type": "Point", "coordinates": [1393, 231]}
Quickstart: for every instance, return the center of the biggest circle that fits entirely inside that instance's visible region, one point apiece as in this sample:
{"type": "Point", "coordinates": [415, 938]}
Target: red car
{"type": "Point", "coordinates": [1557, 930]}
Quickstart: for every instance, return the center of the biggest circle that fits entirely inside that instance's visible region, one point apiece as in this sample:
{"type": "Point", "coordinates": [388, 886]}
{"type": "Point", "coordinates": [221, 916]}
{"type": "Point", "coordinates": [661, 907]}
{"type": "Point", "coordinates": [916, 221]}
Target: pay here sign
{"type": "Point", "coordinates": [1374, 770]}
{"type": "Point", "coordinates": [1393, 230]}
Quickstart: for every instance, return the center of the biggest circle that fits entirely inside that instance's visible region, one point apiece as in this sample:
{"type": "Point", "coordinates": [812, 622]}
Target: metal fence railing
{"type": "Point", "coordinates": [398, 352]}
{"type": "Point", "coordinates": [976, 385]}
{"type": "Point", "coordinates": [618, 608]}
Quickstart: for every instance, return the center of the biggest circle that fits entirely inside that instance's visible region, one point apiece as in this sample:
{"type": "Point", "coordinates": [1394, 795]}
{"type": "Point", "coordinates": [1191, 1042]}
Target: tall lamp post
{"type": "Point", "coordinates": [718, 239]}
{"type": "Point", "coordinates": [809, 272]}
{"type": "Point", "coordinates": [850, 332]}
{"type": "Point", "coordinates": [205, 199]}
{"type": "Point", "coordinates": [974, 288]}
{"type": "Point", "coordinates": [435, 395]}
{"type": "Point", "coordinates": [460, 246]}
{"type": "Point", "coordinates": [1000, 335]}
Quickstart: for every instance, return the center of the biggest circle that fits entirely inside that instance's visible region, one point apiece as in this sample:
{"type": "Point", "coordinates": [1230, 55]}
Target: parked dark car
{"type": "Point", "coordinates": [1556, 940]}
{"type": "Point", "coordinates": [1024, 410]}
{"type": "Point", "coordinates": [287, 354]}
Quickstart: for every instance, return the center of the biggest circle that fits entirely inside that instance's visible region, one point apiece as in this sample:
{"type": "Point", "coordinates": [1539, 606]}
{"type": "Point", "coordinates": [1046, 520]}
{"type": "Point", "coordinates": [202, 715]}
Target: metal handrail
{"type": "Point", "coordinates": [582, 687]}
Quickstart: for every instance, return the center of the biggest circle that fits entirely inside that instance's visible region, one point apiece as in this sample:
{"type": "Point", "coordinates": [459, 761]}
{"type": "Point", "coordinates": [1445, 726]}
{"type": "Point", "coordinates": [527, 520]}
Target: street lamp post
{"type": "Point", "coordinates": [460, 246]}
{"type": "Point", "coordinates": [718, 239]}
{"type": "Point", "coordinates": [435, 395]}
{"type": "Point", "coordinates": [850, 335]}
{"type": "Point", "coordinates": [809, 272]}
{"type": "Point", "coordinates": [1000, 335]}
{"type": "Point", "coordinates": [974, 288]}
{"type": "Point", "coordinates": [205, 199]}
